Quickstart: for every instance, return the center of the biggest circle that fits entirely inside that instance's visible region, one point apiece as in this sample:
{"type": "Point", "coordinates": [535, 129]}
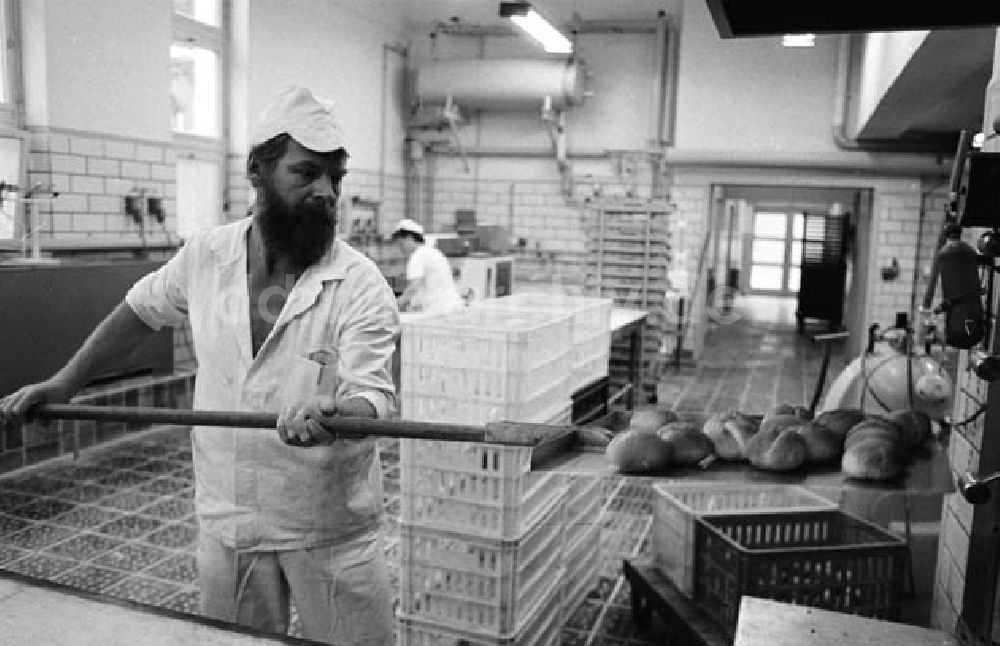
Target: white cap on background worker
{"type": "Point", "coordinates": [412, 226]}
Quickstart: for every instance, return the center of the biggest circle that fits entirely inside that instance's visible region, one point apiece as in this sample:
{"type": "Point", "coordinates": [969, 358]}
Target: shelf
{"type": "Point", "coordinates": [637, 250]}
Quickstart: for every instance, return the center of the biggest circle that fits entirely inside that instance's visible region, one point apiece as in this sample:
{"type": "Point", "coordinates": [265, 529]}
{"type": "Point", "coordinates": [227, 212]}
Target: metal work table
{"type": "Point", "coordinates": [764, 622]}
{"type": "Point", "coordinates": [34, 611]}
{"type": "Point", "coordinates": [927, 473]}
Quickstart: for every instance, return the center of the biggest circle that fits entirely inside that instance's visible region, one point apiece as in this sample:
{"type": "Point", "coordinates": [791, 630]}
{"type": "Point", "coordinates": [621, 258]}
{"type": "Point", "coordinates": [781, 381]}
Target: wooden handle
{"type": "Point", "coordinates": [344, 427]}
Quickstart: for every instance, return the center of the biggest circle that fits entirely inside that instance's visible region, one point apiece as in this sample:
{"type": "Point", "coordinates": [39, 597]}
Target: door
{"type": "Point", "coordinates": [775, 252]}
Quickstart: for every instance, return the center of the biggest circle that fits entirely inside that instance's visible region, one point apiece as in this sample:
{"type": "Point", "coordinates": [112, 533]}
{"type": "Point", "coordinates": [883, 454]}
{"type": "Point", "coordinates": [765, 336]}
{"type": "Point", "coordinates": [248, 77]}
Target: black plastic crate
{"type": "Point", "coordinates": [823, 559]}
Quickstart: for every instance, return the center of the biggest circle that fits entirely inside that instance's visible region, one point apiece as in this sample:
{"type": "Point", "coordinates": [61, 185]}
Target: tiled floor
{"type": "Point", "coordinates": [119, 521]}
{"type": "Point", "coordinates": [753, 363]}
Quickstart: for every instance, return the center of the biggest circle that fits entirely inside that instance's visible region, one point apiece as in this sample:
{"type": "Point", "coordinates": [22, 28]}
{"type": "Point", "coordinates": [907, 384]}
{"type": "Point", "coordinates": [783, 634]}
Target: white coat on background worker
{"type": "Point", "coordinates": [286, 318]}
{"type": "Point", "coordinates": [430, 286]}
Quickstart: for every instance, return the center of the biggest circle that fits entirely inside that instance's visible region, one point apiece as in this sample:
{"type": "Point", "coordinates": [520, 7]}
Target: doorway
{"type": "Point", "coordinates": [759, 238]}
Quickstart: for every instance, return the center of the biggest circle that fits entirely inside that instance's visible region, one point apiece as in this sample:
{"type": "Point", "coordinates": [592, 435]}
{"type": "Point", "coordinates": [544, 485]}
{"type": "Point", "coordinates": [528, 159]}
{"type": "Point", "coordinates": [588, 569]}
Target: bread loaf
{"type": "Point", "coordinates": [650, 419]}
{"type": "Point", "coordinates": [638, 452]}
{"type": "Point", "coordinates": [841, 420]}
{"type": "Point", "coordinates": [688, 445]}
{"type": "Point", "coordinates": [594, 436]}
{"type": "Point", "coordinates": [822, 444]}
{"type": "Point", "coordinates": [776, 449]}
{"type": "Point", "coordinates": [800, 412]}
{"type": "Point", "coordinates": [729, 433]}
{"type": "Point", "coordinates": [916, 426]}
{"type": "Point", "coordinates": [875, 428]}
{"type": "Point", "coordinates": [779, 422]}
{"type": "Point", "coordinates": [872, 459]}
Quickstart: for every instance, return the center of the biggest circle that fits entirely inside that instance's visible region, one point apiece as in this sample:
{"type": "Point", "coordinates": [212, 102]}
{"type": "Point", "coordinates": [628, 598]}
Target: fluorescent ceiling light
{"type": "Point", "coordinates": [798, 40]}
{"type": "Point", "coordinates": [522, 15]}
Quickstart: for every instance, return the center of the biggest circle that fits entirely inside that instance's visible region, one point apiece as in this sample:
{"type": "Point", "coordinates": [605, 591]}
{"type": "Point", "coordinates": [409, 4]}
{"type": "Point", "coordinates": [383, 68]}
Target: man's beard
{"type": "Point", "coordinates": [301, 232]}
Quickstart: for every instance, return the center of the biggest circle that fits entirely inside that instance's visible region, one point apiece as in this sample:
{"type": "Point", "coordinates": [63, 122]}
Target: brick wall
{"type": "Point", "coordinates": [93, 173]}
{"type": "Point", "coordinates": [906, 228]}
{"type": "Point", "coordinates": [239, 194]}
{"type": "Point", "coordinates": [534, 210]}
{"type": "Point", "coordinates": [956, 514]}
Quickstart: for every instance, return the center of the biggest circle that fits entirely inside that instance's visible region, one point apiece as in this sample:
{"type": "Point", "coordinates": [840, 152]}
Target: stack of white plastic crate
{"type": "Point", "coordinates": [481, 535]}
{"type": "Point", "coordinates": [481, 539]}
{"type": "Point", "coordinates": [479, 365]}
{"type": "Point", "coordinates": [582, 542]}
{"type": "Point", "coordinates": [590, 322]}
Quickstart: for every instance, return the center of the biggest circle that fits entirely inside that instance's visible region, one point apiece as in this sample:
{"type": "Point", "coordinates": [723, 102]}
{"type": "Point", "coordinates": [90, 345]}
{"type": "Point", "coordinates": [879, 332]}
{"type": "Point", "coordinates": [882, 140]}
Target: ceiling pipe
{"type": "Point", "coordinates": [509, 153]}
{"type": "Point", "coordinates": [580, 27]}
{"type": "Point", "coordinates": [912, 166]}
{"type": "Point", "coordinates": [841, 103]}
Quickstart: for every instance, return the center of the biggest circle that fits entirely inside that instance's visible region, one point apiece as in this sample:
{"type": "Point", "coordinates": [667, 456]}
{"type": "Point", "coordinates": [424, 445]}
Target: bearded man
{"type": "Point", "coordinates": [285, 318]}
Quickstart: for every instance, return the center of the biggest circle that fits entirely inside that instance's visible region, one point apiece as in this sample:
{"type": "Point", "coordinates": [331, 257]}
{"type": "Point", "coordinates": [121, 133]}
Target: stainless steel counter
{"type": "Point", "coordinates": [40, 612]}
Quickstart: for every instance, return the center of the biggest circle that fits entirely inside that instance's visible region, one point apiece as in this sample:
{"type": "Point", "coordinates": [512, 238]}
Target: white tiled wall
{"type": "Point", "coordinates": [94, 172]}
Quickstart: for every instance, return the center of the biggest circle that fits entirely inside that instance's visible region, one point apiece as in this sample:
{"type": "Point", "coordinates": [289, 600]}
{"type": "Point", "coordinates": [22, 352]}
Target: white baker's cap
{"type": "Point", "coordinates": [307, 120]}
{"type": "Point", "coordinates": [406, 224]}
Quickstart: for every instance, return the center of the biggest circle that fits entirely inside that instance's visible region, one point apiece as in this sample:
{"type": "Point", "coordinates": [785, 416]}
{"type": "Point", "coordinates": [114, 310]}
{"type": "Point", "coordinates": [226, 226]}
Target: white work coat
{"type": "Point", "coordinates": [439, 292]}
{"type": "Point", "coordinates": [335, 336]}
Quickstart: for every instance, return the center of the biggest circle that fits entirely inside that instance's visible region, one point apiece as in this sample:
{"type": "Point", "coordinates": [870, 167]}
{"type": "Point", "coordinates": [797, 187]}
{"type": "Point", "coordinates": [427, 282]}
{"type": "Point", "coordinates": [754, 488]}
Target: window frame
{"type": "Point", "coordinates": [211, 148]}
{"type": "Point", "coordinates": [11, 109]}
{"type": "Point", "coordinates": [191, 33]}
{"type": "Point", "coordinates": [788, 263]}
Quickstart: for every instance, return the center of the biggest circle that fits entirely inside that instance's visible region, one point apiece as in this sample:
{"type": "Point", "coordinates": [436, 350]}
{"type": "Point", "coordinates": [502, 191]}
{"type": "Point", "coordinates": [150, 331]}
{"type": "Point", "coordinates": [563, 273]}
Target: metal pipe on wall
{"type": "Point", "coordinates": [383, 138]}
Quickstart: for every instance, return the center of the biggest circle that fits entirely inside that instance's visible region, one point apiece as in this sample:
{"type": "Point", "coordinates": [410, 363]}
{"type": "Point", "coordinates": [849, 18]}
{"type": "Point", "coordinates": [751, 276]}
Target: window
{"type": "Point", "coordinates": [197, 191]}
{"type": "Point", "coordinates": [10, 171]}
{"type": "Point", "coordinates": [208, 12]}
{"type": "Point", "coordinates": [12, 145]}
{"type": "Point", "coordinates": [197, 82]}
{"type": "Point", "coordinates": [776, 252]}
{"type": "Point", "coordinates": [196, 64]}
{"type": "Point", "coordinates": [194, 88]}
{"type": "Point", "coordinates": [9, 64]}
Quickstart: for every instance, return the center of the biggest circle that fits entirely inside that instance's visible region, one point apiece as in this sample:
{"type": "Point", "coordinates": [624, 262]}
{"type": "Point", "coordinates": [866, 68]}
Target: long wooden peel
{"type": "Point", "coordinates": [508, 433]}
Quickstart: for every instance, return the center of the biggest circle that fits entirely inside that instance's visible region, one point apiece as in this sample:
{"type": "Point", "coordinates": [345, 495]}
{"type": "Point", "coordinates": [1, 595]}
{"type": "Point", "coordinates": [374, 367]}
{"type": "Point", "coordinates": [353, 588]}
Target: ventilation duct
{"type": "Point", "coordinates": [501, 84]}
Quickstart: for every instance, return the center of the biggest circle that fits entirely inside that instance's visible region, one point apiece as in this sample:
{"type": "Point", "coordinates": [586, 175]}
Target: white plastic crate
{"type": "Point", "coordinates": [516, 342]}
{"type": "Point", "coordinates": [478, 382]}
{"type": "Point", "coordinates": [590, 360]}
{"type": "Point", "coordinates": [542, 627]}
{"type": "Point", "coordinates": [495, 459]}
{"type": "Point", "coordinates": [676, 505]}
{"type": "Point", "coordinates": [486, 585]}
{"type": "Point", "coordinates": [583, 515]}
{"type": "Point", "coordinates": [590, 315]}
{"type": "Point", "coordinates": [480, 504]}
{"type": "Point", "coordinates": [462, 411]}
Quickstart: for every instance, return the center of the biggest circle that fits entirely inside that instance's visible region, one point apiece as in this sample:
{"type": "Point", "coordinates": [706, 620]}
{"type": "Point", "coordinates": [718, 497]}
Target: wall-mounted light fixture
{"type": "Point", "coordinates": [798, 40]}
{"type": "Point", "coordinates": [522, 15]}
